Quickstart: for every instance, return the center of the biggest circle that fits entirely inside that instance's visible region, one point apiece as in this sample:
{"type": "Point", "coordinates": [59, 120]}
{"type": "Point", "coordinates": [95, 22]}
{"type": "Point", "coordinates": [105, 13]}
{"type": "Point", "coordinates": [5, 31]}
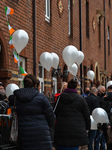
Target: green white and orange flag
{"type": "Point", "coordinates": [10, 42]}
{"type": "Point", "coordinates": [22, 71]}
{"type": "Point", "coordinates": [9, 11]}
{"type": "Point", "coordinates": [16, 57]}
{"type": "Point", "coordinates": [11, 30]}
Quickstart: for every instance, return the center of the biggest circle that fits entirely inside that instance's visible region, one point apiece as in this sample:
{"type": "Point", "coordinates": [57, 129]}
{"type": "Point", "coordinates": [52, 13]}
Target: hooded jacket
{"type": "Point", "coordinates": [73, 120]}
{"type": "Point", "coordinates": [35, 117]}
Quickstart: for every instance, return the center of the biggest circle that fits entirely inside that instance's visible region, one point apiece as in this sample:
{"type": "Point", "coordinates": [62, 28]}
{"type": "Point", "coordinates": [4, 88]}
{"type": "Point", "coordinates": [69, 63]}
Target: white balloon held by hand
{"type": "Point", "coordinates": [19, 40]}
{"type": "Point", "coordinates": [46, 60]}
{"type": "Point", "coordinates": [10, 88]}
{"type": "Point", "coordinates": [80, 58]}
{"type": "Point", "coordinates": [55, 60]}
{"type": "Point", "coordinates": [90, 75]}
{"type": "Point", "coordinates": [70, 54]}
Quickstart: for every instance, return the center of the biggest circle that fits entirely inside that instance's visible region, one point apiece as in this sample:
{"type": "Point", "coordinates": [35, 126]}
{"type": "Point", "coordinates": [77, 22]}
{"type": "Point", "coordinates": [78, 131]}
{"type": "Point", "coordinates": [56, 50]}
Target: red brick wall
{"type": "Point", "coordinates": [53, 36]}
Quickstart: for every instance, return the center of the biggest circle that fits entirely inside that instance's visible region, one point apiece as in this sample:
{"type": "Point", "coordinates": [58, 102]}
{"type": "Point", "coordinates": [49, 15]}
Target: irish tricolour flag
{"type": "Point", "coordinates": [16, 57]}
{"type": "Point", "coordinates": [11, 30]}
{"type": "Point", "coordinates": [10, 42]}
{"type": "Point", "coordinates": [22, 71]}
{"type": "Point", "coordinates": [9, 11]}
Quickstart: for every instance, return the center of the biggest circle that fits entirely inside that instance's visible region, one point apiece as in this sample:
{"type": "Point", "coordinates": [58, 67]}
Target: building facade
{"type": "Point", "coordinates": [52, 25]}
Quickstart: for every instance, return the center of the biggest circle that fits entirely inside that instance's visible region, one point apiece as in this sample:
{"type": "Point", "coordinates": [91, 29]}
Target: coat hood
{"type": "Point", "coordinates": [67, 98]}
{"type": "Point", "coordinates": [26, 94]}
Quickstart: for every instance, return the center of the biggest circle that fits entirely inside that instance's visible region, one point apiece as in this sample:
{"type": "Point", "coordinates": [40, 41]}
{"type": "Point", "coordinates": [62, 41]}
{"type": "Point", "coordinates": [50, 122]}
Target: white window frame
{"type": "Point", "coordinates": [47, 10]}
{"type": "Point", "coordinates": [69, 18]}
{"type": "Point", "coordinates": [42, 79]}
{"type": "Point", "coordinates": [20, 78]}
{"type": "Point", "coordinates": [55, 84]}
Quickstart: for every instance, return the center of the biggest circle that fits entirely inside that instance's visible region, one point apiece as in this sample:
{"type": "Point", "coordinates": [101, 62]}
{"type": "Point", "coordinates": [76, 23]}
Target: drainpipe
{"type": "Point", "coordinates": [105, 66]}
{"type": "Point", "coordinates": [34, 40]}
{"type": "Point", "coordinates": [80, 24]}
{"type": "Point", "coordinates": [104, 37]}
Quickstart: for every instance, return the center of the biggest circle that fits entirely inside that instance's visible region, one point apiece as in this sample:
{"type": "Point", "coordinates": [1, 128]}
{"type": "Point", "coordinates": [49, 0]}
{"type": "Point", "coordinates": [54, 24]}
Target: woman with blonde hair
{"type": "Point", "coordinates": [63, 87]}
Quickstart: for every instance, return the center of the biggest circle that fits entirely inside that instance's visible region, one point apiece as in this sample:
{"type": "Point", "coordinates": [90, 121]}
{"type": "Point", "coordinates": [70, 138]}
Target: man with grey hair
{"type": "Point", "coordinates": [100, 139]}
{"type": "Point", "coordinates": [93, 102]}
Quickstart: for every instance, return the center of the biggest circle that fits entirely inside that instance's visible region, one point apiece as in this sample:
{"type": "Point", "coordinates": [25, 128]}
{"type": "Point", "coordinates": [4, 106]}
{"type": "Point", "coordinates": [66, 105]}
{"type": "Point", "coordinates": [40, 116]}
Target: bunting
{"type": "Point", "coordinates": [22, 71]}
{"type": "Point", "coordinates": [16, 57]}
{"type": "Point", "coordinates": [9, 11]}
{"type": "Point", "coordinates": [11, 30]}
{"type": "Point", "coordinates": [10, 43]}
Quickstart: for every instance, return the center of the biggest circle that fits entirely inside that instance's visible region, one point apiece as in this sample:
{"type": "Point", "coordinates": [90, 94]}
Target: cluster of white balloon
{"type": "Point", "coordinates": [72, 58]}
{"type": "Point", "coordinates": [20, 39]}
{"type": "Point", "coordinates": [49, 60]}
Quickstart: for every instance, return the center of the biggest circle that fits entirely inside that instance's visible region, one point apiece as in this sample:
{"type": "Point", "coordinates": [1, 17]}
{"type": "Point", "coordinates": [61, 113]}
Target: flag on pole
{"type": "Point", "coordinates": [10, 42]}
{"type": "Point", "coordinates": [16, 57]}
{"type": "Point", "coordinates": [9, 11]}
{"type": "Point", "coordinates": [22, 71]}
{"type": "Point", "coordinates": [11, 30]}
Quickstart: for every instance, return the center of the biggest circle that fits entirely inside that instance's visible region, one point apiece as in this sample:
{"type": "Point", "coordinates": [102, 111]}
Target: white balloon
{"type": "Point", "coordinates": [109, 83]}
{"type": "Point", "coordinates": [46, 60]}
{"type": "Point", "coordinates": [73, 70]}
{"type": "Point", "coordinates": [90, 75]}
{"type": "Point", "coordinates": [80, 58]}
{"type": "Point", "coordinates": [10, 88]}
{"type": "Point", "coordinates": [55, 60]}
{"type": "Point", "coordinates": [20, 39]}
{"type": "Point", "coordinates": [100, 115]}
{"type": "Point", "coordinates": [70, 54]}
{"type": "Point", "coordinates": [93, 123]}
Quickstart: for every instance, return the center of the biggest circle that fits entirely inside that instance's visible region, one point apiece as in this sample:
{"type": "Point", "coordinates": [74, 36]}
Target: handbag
{"type": "Point", "coordinates": [14, 126]}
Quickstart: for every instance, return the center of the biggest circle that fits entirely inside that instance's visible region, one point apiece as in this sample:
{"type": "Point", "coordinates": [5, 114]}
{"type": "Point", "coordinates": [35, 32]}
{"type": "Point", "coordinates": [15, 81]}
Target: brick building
{"type": "Point", "coordinates": [52, 25]}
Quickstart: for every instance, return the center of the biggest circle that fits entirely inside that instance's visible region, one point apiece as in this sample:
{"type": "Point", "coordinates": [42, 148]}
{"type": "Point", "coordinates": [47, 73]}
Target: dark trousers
{"type": "Point", "coordinates": [99, 139]}
{"type": "Point", "coordinates": [91, 137]}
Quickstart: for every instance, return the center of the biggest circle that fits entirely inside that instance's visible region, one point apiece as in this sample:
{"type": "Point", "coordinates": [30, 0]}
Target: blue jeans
{"type": "Point", "coordinates": [99, 139]}
{"type": "Point", "coordinates": [91, 137]}
{"type": "Point", "coordinates": [67, 148]}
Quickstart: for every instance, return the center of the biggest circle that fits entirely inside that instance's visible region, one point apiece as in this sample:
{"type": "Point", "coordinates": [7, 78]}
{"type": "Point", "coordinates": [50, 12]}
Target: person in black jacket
{"type": "Point", "coordinates": [100, 139]}
{"type": "Point", "coordinates": [107, 106]}
{"type": "Point", "coordinates": [73, 119]}
{"type": "Point", "coordinates": [35, 117]}
{"type": "Point", "coordinates": [93, 102]}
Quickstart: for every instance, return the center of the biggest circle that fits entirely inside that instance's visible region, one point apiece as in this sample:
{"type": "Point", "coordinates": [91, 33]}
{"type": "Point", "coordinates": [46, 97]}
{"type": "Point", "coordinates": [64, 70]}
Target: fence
{"type": "Point", "coordinates": [5, 127]}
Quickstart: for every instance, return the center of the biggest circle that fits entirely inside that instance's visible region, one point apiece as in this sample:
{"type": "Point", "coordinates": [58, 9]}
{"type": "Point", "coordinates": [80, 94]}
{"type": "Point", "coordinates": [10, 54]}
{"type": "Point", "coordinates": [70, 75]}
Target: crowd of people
{"type": "Point", "coordinates": [69, 118]}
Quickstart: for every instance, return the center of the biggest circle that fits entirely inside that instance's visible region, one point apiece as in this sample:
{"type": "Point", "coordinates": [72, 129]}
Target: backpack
{"type": "Point", "coordinates": [4, 105]}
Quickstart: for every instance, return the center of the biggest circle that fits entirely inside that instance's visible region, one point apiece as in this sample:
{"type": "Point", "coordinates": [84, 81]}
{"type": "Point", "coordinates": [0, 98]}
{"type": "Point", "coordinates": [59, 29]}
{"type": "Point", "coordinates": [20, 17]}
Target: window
{"type": "Point", "coordinates": [87, 18]}
{"type": "Point", "coordinates": [41, 78]}
{"type": "Point", "coordinates": [47, 10]}
{"type": "Point", "coordinates": [20, 77]}
{"type": "Point", "coordinates": [108, 30]}
{"type": "Point", "coordinates": [70, 18]}
{"type": "Point", "coordinates": [99, 32]}
{"type": "Point", "coordinates": [109, 2]}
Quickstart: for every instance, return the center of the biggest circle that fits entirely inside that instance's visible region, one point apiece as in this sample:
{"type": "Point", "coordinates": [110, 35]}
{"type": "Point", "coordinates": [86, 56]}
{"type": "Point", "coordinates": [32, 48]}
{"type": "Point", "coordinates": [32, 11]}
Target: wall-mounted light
{"type": "Point", "coordinates": [88, 67]}
{"type": "Point", "coordinates": [56, 72]}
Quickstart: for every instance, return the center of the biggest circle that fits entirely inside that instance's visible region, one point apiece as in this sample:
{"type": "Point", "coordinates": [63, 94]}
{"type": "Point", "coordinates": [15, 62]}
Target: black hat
{"type": "Point", "coordinates": [1, 84]}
